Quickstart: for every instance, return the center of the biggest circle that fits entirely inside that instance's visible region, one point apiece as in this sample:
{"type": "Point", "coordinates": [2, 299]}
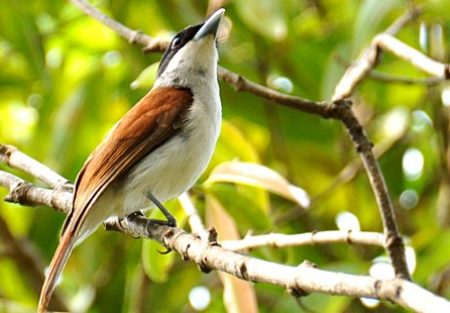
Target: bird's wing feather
{"type": "Point", "coordinates": [144, 128]}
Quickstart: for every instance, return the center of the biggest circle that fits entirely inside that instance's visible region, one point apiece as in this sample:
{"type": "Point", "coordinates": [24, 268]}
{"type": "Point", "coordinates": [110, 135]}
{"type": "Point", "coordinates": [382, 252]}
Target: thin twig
{"type": "Point", "coordinates": [133, 36]}
{"type": "Point", "coordinates": [384, 77]}
{"type": "Point", "coordinates": [419, 60]}
{"type": "Point", "coordinates": [191, 212]}
{"type": "Point", "coordinates": [313, 238]}
{"type": "Point", "coordinates": [368, 59]}
{"type": "Point", "coordinates": [395, 79]}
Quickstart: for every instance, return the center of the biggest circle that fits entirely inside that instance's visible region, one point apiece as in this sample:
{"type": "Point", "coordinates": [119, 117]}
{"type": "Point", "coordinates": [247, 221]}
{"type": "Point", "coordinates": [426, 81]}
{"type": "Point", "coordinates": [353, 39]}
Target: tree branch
{"type": "Point", "coordinates": [387, 42]}
{"type": "Point", "coordinates": [368, 59]}
{"type": "Point", "coordinates": [313, 238]}
{"type": "Point", "coordinates": [23, 192]}
{"type": "Point", "coordinates": [209, 255]}
{"type": "Point", "coordinates": [352, 168]}
{"type": "Point", "coordinates": [299, 280]}
{"type": "Point", "coordinates": [396, 79]}
{"type": "Point", "coordinates": [16, 159]}
{"type": "Point", "coordinates": [191, 212]}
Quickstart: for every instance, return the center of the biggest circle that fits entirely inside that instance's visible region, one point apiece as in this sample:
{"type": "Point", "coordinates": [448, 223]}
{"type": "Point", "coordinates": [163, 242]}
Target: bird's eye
{"type": "Point", "coordinates": [176, 42]}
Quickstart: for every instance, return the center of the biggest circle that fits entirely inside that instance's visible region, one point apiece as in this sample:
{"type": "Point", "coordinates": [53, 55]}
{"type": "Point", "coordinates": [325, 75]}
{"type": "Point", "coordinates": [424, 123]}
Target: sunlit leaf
{"type": "Point", "coordinates": [146, 78]}
{"type": "Point", "coordinates": [259, 176]}
{"type": "Point", "coordinates": [239, 296]}
{"type": "Point", "coordinates": [368, 19]}
{"type": "Point", "coordinates": [242, 206]}
{"type": "Point", "coordinates": [156, 265]}
{"type": "Point", "coordinates": [233, 144]}
{"type": "Point", "coordinates": [264, 17]}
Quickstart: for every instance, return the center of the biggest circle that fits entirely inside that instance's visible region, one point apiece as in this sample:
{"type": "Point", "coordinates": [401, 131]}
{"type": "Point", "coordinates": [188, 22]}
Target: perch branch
{"type": "Point", "coordinates": [300, 280]}
{"type": "Point", "coordinates": [209, 255]}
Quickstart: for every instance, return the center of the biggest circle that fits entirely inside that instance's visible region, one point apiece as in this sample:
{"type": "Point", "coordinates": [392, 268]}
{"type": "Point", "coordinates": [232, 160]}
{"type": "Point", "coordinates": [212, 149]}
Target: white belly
{"type": "Point", "coordinates": [167, 172]}
{"type": "Point", "coordinates": [174, 167]}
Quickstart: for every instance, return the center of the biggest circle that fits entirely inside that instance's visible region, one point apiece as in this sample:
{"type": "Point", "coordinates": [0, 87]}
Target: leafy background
{"type": "Point", "coordinates": [65, 79]}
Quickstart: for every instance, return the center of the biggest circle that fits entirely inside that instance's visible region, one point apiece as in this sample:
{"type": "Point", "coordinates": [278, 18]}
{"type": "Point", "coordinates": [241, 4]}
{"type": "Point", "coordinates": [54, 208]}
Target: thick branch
{"type": "Point", "coordinates": [299, 280]}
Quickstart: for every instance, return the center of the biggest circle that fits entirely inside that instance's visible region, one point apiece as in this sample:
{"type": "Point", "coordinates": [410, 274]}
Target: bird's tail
{"type": "Point", "coordinates": [65, 247]}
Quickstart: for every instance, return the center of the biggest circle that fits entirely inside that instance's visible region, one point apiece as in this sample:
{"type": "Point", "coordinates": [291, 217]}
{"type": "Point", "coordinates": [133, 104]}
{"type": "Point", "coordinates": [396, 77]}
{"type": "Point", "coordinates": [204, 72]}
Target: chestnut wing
{"type": "Point", "coordinates": [148, 125]}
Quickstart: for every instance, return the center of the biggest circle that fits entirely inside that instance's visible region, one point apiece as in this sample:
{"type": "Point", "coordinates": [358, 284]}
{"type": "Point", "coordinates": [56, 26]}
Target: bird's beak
{"type": "Point", "coordinates": [211, 25]}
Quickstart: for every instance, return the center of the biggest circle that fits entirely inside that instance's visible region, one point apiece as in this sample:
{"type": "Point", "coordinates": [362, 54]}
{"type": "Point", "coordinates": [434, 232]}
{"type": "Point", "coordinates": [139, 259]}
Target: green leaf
{"type": "Point", "coordinates": [146, 78]}
{"type": "Point", "coordinates": [368, 19]}
{"type": "Point", "coordinates": [264, 17]}
{"type": "Point", "coordinates": [156, 265]}
{"type": "Point", "coordinates": [243, 204]}
{"type": "Point", "coordinates": [233, 144]}
{"type": "Point", "coordinates": [260, 176]}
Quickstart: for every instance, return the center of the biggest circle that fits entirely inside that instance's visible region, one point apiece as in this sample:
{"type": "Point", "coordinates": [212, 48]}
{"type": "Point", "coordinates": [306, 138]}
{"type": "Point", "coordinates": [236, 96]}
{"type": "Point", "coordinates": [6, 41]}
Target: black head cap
{"type": "Point", "coordinates": [176, 44]}
{"type": "Point", "coordinates": [194, 32]}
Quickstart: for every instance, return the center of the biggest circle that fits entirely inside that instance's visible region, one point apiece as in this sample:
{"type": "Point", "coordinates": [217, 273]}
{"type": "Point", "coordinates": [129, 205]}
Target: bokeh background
{"type": "Point", "coordinates": [65, 79]}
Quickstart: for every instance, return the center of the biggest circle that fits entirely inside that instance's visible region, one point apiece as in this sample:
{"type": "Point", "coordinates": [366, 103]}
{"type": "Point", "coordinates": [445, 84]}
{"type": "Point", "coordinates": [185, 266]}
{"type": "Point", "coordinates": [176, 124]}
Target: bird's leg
{"type": "Point", "coordinates": [171, 221]}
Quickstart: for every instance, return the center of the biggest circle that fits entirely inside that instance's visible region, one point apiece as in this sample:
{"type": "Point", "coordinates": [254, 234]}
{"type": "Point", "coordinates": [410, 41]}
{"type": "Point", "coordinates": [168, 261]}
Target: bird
{"type": "Point", "coordinates": [156, 151]}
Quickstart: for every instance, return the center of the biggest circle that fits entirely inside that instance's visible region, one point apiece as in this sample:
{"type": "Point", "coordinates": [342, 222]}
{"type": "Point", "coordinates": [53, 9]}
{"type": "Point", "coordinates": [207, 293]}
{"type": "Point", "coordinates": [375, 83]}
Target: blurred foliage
{"type": "Point", "coordinates": [65, 79]}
